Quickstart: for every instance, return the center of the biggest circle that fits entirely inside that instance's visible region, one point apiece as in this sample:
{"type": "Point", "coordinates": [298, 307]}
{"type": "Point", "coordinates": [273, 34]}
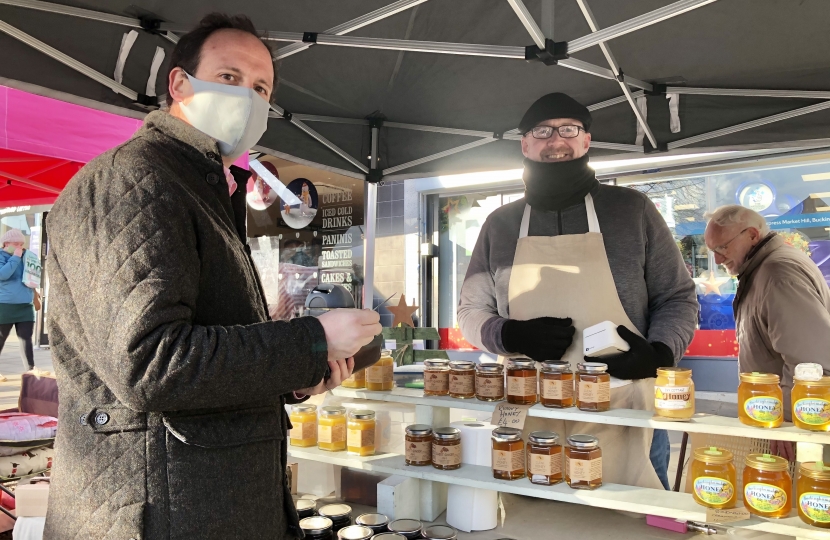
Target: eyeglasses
{"type": "Point", "coordinates": [546, 132]}
{"type": "Point", "coordinates": [720, 250]}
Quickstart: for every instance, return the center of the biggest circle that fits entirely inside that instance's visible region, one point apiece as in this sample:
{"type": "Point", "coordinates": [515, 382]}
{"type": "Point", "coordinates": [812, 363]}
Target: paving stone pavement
{"type": "Point", "coordinates": [12, 367]}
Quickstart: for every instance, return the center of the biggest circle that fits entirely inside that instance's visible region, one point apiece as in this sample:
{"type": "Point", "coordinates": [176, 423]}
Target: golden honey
{"type": "Point", "coordinates": [768, 486]}
{"type": "Point", "coordinates": [508, 454]}
{"type": "Point", "coordinates": [446, 448]}
{"type": "Point", "coordinates": [583, 462]}
{"type": "Point", "coordinates": [811, 404]}
{"type": "Point", "coordinates": [556, 385]}
{"type": "Point", "coordinates": [462, 379]}
{"type": "Point", "coordinates": [357, 380]}
{"type": "Point", "coordinates": [304, 425]}
{"type": "Point", "coordinates": [760, 400]}
{"type": "Point", "coordinates": [418, 445]}
{"type": "Point", "coordinates": [360, 434]}
{"type": "Point", "coordinates": [381, 376]}
{"type": "Point", "coordinates": [544, 458]}
{"type": "Point", "coordinates": [813, 493]}
{"type": "Point", "coordinates": [331, 429]}
{"type": "Point", "coordinates": [522, 381]}
{"type": "Point", "coordinates": [593, 388]}
{"type": "Point", "coordinates": [714, 478]}
{"type": "Point", "coordinates": [436, 377]}
{"type": "Point", "coordinates": [674, 393]}
{"type": "Point", "coordinates": [490, 381]}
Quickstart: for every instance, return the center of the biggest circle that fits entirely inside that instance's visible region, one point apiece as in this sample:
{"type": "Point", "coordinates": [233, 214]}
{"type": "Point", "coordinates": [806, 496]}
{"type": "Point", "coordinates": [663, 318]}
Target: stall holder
{"type": "Point", "coordinates": [435, 411]}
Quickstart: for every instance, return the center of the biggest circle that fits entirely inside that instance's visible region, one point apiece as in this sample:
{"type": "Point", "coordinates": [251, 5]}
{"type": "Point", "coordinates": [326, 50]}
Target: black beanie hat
{"type": "Point", "coordinates": [555, 105]}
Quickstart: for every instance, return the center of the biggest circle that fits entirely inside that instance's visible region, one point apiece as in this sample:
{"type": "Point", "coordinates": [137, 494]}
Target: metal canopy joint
{"type": "Point", "coordinates": [309, 37]}
{"type": "Point", "coordinates": [657, 90]}
{"type": "Point", "coordinates": [151, 25]}
{"type": "Point", "coordinates": [553, 52]}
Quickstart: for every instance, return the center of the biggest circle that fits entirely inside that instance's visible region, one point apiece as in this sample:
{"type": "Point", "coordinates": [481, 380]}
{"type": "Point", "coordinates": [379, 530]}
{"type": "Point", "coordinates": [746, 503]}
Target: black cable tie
{"type": "Point", "coordinates": [498, 136]}
{"type": "Point", "coordinates": [550, 55]}
{"type": "Point", "coordinates": [150, 25]}
{"type": "Point", "coordinates": [147, 101]}
{"type": "Point", "coordinates": [374, 176]}
{"type": "Point", "coordinates": [376, 121]}
{"type": "Point", "coordinates": [661, 147]}
{"type": "Point", "coordinates": [621, 76]}
{"type": "Point", "coordinates": [287, 115]}
{"type": "Point", "coordinates": [309, 37]}
{"type": "Point", "coordinates": [657, 90]}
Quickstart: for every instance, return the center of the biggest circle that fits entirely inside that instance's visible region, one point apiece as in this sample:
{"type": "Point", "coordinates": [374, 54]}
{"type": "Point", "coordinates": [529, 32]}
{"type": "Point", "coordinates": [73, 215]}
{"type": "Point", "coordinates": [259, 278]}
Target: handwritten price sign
{"type": "Point", "coordinates": [510, 415]}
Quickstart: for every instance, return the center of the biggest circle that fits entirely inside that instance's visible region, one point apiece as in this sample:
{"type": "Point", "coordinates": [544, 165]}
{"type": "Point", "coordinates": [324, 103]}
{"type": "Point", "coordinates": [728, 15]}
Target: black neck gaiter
{"type": "Point", "coordinates": [558, 185]}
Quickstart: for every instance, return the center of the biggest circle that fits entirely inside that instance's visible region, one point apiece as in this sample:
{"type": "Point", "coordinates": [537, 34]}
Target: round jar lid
{"type": "Point", "coordinates": [521, 363]}
{"type": "Point", "coordinates": [439, 532]}
{"type": "Point", "coordinates": [592, 367]}
{"type": "Point", "coordinates": [448, 434]}
{"type": "Point", "coordinates": [362, 414]}
{"type": "Point", "coordinates": [389, 536]}
{"type": "Point", "coordinates": [332, 411]}
{"type": "Point", "coordinates": [355, 532]}
{"type": "Point", "coordinates": [808, 371]}
{"type": "Point", "coordinates": [673, 372]}
{"type": "Point", "coordinates": [815, 470]}
{"type": "Point", "coordinates": [461, 365]}
{"type": "Point", "coordinates": [303, 408]}
{"type": "Point", "coordinates": [490, 367]}
{"type": "Point", "coordinates": [418, 429]}
{"type": "Point", "coordinates": [437, 363]}
{"type": "Point", "coordinates": [556, 366]}
{"type": "Point", "coordinates": [315, 524]}
{"type": "Point", "coordinates": [713, 454]}
{"type": "Point", "coordinates": [767, 462]}
{"type": "Point", "coordinates": [507, 434]}
{"type": "Point", "coordinates": [547, 438]}
{"type": "Point", "coordinates": [405, 526]}
{"type": "Point", "coordinates": [335, 510]}
{"type": "Point", "coordinates": [305, 504]}
{"type": "Point", "coordinates": [374, 520]}
{"type": "Point", "coordinates": [583, 441]}
{"type": "Point", "coordinates": [759, 378]}
{"type": "Point", "coordinates": [385, 352]}
{"type": "Point", "coordinates": [822, 382]}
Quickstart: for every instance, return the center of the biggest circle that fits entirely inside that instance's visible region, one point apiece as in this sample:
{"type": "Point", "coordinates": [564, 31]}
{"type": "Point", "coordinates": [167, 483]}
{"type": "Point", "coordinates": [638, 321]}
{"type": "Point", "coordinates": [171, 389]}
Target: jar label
{"type": "Point", "coordinates": [811, 411]}
{"type": "Point", "coordinates": [508, 461]}
{"type": "Point", "coordinates": [585, 470]}
{"type": "Point", "coordinates": [591, 392]}
{"type": "Point", "coordinates": [673, 398]}
{"type": "Point", "coordinates": [361, 438]}
{"type": "Point", "coordinates": [462, 384]}
{"type": "Point", "coordinates": [763, 408]}
{"type": "Point", "coordinates": [521, 386]}
{"type": "Point", "coordinates": [331, 434]}
{"type": "Point", "coordinates": [557, 389]}
{"type": "Point", "coordinates": [418, 452]}
{"type": "Point", "coordinates": [491, 387]}
{"type": "Point", "coordinates": [815, 506]}
{"type": "Point", "coordinates": [380, 374]}
{"type": "Point", "coordinates": [713, 490]}
{"type": "Point", "coordinates": [545, 464]}
{"type": "Point", "coordinates": [437, 381]}
{"type": "Point", "coordinates": [303, 430]}
{"type": "Point", "coordinates": [359, 377]}
{"type": "Point", "coordinates": [765, 497]}
{"type": "Point", "coordinates": [446, 456]}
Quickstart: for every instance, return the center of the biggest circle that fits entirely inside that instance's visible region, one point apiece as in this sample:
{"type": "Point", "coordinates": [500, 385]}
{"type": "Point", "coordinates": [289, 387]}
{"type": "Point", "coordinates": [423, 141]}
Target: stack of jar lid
{"type": "Point", "coordinates": [333, 431]}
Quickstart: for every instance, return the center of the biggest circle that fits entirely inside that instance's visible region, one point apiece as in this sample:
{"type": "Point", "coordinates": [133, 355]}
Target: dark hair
{"type": "Point", "coordinates": [187, 52]}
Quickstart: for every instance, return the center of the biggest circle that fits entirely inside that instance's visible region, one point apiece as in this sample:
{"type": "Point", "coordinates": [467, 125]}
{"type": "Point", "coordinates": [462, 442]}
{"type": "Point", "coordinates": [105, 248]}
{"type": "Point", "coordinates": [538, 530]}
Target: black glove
{"type": "Point", "coordinates": [640, 361]}
{"type": "Point", "coordinates": [545, 338]}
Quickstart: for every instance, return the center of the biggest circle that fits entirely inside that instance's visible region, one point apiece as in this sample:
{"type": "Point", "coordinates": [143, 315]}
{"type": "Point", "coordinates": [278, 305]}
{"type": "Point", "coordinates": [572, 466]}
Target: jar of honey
{"type": "Point", "coordinates": [544, 458]}
{"type": "Point", "coordinates": [556, 385]}
{"type": "Point", "coordinates": [760, 400]}
{"type": "Point", "coordinates": [714, 478]}
{"type": "Point", "coordinates": [339, 514]}
{"type": "Point", "coordinates": [490, 381]}
{"type": "Point", "coordinates": [462, 379]}
{"type": "Point", "coordinates": [356, 380]}
{"type": "Point", "coordinates": [377, 522]}
{"type": "Point", "coordinates": [811, 404]}
{"type": "Point", "coordinates": [446, 448]}
{"type": "Point", "coordinates": [381, 375]}
{"type": "Point", "coordinates": [583, 462]}
{"type": "Point", "coordinates": [522, 385]}
{"type": "Point", "coordinates": [418, 445]}
{"type": "Point", "coordinates": [436, 377]}
{"type": "Point", "coordinates": [304, 425]}
{"type": "Point", "coordinates": [768, 486]}
{"type": "Point", "coordinates": [508, 454]}
{"type": "Point", "coordinates": [331, 429]}
{"type": "Point", "coordinates": [674, 393]}
{"type": "Point", "coordinates": [593, 387]}
{"type": "Point", "coordinates": [316, 528]}
{"type": "Point", "coordinates": [813, 492]}
{"type": "Point", "coordinates": [355, 532]}
{"type": "Point", "coordinates": [360, 436]}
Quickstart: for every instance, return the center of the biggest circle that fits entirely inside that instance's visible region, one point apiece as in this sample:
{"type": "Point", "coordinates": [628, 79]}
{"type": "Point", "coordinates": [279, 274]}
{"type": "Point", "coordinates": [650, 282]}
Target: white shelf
{"type": "Point", "coordinates": [612, 496]}
{"type": "Point", "coordinates": [700, 423]}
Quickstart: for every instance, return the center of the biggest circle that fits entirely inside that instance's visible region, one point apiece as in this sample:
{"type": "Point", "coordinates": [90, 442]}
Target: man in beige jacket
{"type": "Point", "coordinates": [782, 307]}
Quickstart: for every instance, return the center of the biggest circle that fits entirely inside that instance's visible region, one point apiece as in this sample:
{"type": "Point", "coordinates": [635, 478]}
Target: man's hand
{"type": "Point", "coordinates": [785, 449]}
{"type": "Point", "coordinates": [347, 330]}
{"type": "Point", "coordinates": [640, 361]}
{"type": "Point", "coordinates": [545, 338]}
{"type": "Point", "coordinates": [340, 371]}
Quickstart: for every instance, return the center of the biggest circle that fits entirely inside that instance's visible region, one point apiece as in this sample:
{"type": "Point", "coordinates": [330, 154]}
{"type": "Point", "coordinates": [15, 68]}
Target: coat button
{"type": "Point", "coordinates": [212, 178]}
{"type": "Point", "coordinates": [213, 155]}
{"type": "Point", "coordinates": [102, 418]}
{"type": "Point", "coordinates": [82, 420]}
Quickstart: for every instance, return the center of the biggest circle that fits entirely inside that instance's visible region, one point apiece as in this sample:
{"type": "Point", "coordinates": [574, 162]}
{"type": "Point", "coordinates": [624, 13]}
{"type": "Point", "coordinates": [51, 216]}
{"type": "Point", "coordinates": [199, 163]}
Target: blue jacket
{"type": "Point", "coordinates": [12, 290]}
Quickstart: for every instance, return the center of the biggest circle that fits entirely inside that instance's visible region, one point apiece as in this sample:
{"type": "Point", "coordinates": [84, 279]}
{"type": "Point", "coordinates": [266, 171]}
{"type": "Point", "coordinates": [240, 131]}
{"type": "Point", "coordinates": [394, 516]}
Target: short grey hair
{"type": "Point", "coordinates": [735, 214]}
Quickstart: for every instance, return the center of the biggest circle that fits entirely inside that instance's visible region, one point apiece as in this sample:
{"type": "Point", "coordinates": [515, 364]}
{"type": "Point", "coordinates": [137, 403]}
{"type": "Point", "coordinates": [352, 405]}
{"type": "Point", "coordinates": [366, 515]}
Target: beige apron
{"type": "Point", "coordinates": [569, 276]}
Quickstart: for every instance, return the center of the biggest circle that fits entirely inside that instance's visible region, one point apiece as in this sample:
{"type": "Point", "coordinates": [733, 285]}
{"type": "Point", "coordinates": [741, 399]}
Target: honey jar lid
{"type": "Point", "coordinates": [305, 504]}
{"type": "Point", "coordinates": [767, 462]}
{"type": "Point", "coordinates": [405, 526]}
{"type": "Point", "coordinates": [592, 367]}
{"type": "Point", "coordinates": [335, 510]}
{"type": "Point", "coordinates": [461, 364]}
{"type": "Point", "coordinates": [557, 366]}
{"type": "Point", "coordinates": [315, 524]}
{"type": "Point", "coordinates": [331, 411]}
{"type": "Point", "coordinates": [374, 520]}
{"type": "Point", "coordinates": [822, 382]}
{"type": "Point", "coordinates": [521, 362]}
{"type": "Point", "coordinates": [490, 367]}
{"type": "Point", "coordinates": [816, 470]}
{"type": "Point", "coordinates": [439, 532]}
{"type": "Point", "coordinates": [759, 378]}
{"type": "Point", "coordinates": [418, 429]}
{"type": "Point", "coordinates": [303, 408]}
{"type": "Point", "coordinates": [548, 438]}
{"type": "Point", "coordinates": [389, 536]}
{"type": "Point", "coordinates": [362, 414]}
{"type": "Point", "coordinates": [447, 434]}
{"type": "Point", "coordinates": [507, 434]}
{"type": "Point", "coordinates": [674, 372]}
{"type": "Point", "coordinates": [808, 371]}
{"type": "Point", "coordinates": [583, 441]}
{"type": "Point", "coordinates": [436, 362]}
{"type": "Point", "coordinates": [355, 532]}
{"type": "Point", "coordinates": [713, 454]}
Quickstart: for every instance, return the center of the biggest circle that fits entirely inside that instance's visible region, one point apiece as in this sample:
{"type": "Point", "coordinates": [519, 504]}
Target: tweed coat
{"type": "Point", "coordinates": [172, 379]}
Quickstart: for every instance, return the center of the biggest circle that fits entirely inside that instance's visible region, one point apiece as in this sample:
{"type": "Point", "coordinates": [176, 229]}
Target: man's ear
{"type": "Point", "coordinates": [524, 147]}
{"type": "Point", "coordinates": [587, 140]}
{"type": "Point", "coordinates": [178, 85]}
{"type": "Point", "coordinates": [754, 234]}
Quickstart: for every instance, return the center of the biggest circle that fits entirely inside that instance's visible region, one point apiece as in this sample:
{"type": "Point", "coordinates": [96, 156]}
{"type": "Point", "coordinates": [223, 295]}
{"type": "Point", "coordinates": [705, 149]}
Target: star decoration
{"type": "Point", "coordinates": [712, 284]}
{"type": "Point", "coordinates": [403, 313]}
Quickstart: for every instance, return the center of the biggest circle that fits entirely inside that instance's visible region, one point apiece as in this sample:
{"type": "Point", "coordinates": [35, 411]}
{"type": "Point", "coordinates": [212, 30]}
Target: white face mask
{"type": "Point", "coordinates": [233, 115]}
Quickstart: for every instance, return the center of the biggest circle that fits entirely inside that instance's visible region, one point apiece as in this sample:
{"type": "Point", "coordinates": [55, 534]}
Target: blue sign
{"type": "Point", "coordinates": [803, 221]}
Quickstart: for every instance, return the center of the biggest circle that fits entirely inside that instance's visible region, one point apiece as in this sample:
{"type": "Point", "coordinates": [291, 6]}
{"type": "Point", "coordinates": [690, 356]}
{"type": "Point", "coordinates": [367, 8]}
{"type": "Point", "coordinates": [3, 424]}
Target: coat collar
{"type": "Point", "coordinates": [171, 126]}
{"type": "Point", "coordinates": [754, 259]}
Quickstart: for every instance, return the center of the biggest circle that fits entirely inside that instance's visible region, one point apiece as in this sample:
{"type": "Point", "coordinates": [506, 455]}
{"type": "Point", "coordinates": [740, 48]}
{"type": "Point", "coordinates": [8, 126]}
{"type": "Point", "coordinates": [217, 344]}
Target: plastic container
{"type": "Point", "coordinates": [813, 493]}
{"type": "Point", "coordinates": [714, 478]}
{"type": "Point", "coordinates": [811, 404]}
{"type": "Point", "coordinates": [331, 429]}
{"type": "Point", "coordinates": [674, 393]}
{"type": "Point", "coordinates": [381, 376]}
{"type": "Point", "coordinates": [768, 486]}
{"type": "Point", "coordinates": [304, 425]}
{"type": "Point", "coordinates": [760, 400]}
{"type": "Point", "coordinates": [360, 435]}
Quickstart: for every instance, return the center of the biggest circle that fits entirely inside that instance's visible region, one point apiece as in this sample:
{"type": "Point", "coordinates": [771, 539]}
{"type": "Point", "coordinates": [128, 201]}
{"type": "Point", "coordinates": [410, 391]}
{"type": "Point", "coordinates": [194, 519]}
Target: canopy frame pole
{"type": "Point", "coordinates": [30, 183]}
{"type": "Point", "coordinates": [439, 155]}
{"type": "Point", "coordinates": [547, 19]}
{"type": "Point", "coordinates": [614, 101]}
{"type": "Point", "coordinates": [354, 24]}
{"type": "Point", "coordinates": [799, 94]}
{"type": "Point", "coordinates": [527, 21]}
{"type": "Point", "coordinates": [371, 227]}
{"type": "Point", "coordinates": [749, 125]}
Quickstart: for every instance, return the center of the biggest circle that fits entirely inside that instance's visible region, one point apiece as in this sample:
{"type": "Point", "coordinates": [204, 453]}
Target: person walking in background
{"type": "Point", "coordinates": [16, 300]}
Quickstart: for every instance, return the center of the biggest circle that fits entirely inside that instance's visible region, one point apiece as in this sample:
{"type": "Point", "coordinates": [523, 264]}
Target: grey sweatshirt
{"type": "Point", "coordinates": [652, 281]}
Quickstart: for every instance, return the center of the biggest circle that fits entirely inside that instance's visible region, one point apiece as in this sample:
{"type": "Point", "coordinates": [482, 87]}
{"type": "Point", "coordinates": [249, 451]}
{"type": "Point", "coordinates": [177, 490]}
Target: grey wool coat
{"type": "Point", "coordinates": [172, 379]}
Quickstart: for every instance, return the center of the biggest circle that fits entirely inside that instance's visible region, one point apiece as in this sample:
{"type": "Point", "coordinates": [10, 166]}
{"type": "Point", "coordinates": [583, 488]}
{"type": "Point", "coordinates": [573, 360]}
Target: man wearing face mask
{"type": "Point", "coordinates": [574, 253]}
{"type": "Point", "coordinates": [173, 380]}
